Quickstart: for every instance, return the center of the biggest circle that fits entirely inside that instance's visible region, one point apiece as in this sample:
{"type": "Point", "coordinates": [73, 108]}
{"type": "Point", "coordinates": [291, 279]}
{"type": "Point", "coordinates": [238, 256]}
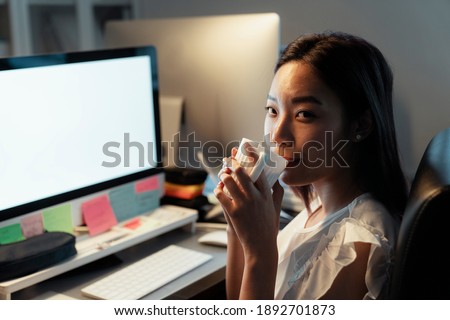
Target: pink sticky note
{"type": "Point", "coordinates": [133, 224]}
{"type": "Point", "coordinates": [148, 184]}
{"type": "Point", "coordinates": [32, 225]}
{"type": "Point", "coordinates": [98, 215]}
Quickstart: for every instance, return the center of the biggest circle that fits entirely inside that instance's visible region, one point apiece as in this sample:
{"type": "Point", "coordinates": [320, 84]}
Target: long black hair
{"type": "Point", "coordinates": [359, 75]}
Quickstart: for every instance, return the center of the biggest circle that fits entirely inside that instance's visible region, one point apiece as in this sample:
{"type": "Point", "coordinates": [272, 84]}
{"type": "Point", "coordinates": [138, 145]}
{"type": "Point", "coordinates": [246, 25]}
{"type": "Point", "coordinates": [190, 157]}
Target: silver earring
{"type": "Point", "coordinates": [358, 137]}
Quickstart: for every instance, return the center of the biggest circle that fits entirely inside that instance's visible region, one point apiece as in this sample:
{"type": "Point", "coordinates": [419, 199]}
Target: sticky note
{"type": "Point", "coordinates": [148, 184]}
{"type": "Point", "coordinates": [147, 201]}
{"type": "Point", "coordinates": [58, 218]}
{"type": "Point", "coordinates": [123, 202]}
{"type": "Point", "coordinates": [98, 215]}
{"type": "Point", "coordinates": [10, 234]}
{"type": "Point", "coordinates": [133, 223]}
{"type": "Point", "coordinates": [32, 225]}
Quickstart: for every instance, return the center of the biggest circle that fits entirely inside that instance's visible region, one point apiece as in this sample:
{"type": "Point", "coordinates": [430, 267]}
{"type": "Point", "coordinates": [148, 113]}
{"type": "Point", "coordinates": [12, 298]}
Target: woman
{"type": "Point", "coordinates": [329, 113]}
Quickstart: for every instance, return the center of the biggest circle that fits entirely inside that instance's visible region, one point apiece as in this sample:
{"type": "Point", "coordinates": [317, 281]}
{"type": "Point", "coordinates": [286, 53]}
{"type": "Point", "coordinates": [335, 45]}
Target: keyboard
{"type": "Point", "coordinates": [146, 275]}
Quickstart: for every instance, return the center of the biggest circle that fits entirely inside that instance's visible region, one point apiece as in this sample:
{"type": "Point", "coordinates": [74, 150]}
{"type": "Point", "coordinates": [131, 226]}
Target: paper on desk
{"type": "Point", "coordinates": [123, 202]}
{"type": "Point", "coordinates": [147, 201]}
{"type": "Point", "coordinates": [11, 233]}
{"type": "Point", "coordinates": [32, 225]}
{"type": "Point", "coordinates": [52, 295]}
{"type": "Point", "coordinates": [98, 215]}
{"type": "Point", "coordinates": [133, 223]}
{"type": "Point", "coordinates": [58, 218]}
{"type": "Point", "coordinates": [148, 184]}
{"type": "Point", "coordinates": [171, 109]}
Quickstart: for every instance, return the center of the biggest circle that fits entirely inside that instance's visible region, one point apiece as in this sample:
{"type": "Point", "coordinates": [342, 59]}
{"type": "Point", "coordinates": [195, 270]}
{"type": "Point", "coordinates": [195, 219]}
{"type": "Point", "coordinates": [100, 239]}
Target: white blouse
{"type": "Point", "coordinates": [310, 258]}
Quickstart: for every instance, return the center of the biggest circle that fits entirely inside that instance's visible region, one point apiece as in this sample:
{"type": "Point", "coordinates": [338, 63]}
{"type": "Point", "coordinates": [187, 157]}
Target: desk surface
{"type": "Point", "coordinates": [190, 285]}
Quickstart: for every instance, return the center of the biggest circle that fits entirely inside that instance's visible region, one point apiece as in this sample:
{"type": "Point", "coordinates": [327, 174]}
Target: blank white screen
{"type": "Point", "coordinates": [55, 120]}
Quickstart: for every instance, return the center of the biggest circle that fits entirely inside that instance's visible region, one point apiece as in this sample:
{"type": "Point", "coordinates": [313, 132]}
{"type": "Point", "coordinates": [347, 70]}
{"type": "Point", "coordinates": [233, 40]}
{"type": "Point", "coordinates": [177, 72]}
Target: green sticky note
{"type": "Point", "coordinates": [58, 218]}
{"type": "Point", "coordinates": [11, 233]}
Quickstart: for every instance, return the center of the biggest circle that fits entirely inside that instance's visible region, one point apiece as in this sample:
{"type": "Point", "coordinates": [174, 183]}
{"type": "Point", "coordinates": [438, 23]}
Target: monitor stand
{"type": "Point", "coordinates": [162, 220]}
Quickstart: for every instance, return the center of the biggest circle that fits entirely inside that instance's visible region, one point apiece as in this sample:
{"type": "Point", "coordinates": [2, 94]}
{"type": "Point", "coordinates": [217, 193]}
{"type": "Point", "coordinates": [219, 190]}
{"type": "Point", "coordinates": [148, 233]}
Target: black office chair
{"type": "Point", "coordinates": [421, 269]}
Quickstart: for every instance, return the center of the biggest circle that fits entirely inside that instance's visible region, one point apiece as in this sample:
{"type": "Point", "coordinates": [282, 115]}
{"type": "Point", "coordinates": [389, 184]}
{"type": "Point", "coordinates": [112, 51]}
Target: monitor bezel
{"type": "Point", "coordinates": [42, 60]}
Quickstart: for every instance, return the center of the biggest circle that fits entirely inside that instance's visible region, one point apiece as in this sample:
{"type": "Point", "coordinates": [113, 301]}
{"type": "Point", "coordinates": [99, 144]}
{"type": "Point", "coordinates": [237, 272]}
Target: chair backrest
{"type": "Point", "coordinates": [421, 269]}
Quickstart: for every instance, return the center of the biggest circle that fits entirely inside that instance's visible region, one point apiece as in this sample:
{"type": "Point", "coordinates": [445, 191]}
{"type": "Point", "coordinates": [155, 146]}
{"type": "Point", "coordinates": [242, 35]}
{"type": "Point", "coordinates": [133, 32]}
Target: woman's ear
{"type": "Point", "coordinates": [362, 126]}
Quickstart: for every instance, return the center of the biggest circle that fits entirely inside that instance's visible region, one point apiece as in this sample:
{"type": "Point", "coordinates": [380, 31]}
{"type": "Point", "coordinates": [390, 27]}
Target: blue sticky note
{"type": "Point", "coordinates": [147, 201]}
{"type": "Point", "coordinates": [123, 202]}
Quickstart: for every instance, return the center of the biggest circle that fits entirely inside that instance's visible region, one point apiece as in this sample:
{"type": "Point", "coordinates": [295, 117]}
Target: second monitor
{"type": "Point", "coordinates": [222, 66]}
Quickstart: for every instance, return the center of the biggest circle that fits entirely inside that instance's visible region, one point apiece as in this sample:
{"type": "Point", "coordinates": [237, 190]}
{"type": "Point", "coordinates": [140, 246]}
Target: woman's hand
{"type": "Point", "coordinates": [252, 211]}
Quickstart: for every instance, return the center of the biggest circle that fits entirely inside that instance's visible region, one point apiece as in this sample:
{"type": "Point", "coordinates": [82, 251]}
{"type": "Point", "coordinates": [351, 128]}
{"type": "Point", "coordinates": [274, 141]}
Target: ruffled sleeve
{"type": "Point", "coordinates": [334, 250]}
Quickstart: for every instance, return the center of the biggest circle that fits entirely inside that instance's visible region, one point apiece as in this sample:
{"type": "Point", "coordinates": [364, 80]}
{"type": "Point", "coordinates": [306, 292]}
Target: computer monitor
{"type": "Point", "coordinates": [71, 125]}
{"type": "Point", "coordinates": [222, 66]}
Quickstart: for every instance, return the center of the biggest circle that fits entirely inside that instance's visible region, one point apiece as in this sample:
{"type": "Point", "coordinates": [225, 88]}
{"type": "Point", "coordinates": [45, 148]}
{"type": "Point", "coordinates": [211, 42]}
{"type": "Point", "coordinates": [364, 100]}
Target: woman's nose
{"type": "Point", "coordinates": [281, 133]}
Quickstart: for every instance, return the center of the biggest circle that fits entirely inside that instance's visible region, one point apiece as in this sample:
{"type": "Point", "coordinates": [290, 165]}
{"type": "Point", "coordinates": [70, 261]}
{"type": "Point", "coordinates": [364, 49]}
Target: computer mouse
{"type": "Point", "coordinates": [214, 238]}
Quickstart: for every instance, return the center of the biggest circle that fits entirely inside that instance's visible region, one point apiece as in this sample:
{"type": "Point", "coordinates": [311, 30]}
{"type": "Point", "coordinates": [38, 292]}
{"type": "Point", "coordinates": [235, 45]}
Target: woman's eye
{"type": "Point", "coordinates": [271, 111]}
{"type": "Point", "coordinates": [305, 115]}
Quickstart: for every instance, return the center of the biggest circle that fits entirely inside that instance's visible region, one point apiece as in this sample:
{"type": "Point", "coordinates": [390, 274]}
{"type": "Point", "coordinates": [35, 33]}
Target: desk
{"type": "Point", "coordinates": [204, 282]}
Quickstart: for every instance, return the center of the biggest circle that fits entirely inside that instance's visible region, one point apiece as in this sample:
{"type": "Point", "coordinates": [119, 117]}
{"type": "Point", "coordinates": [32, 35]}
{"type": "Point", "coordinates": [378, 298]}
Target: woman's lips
{"type": "Point", "coordinates": [292, 162]}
